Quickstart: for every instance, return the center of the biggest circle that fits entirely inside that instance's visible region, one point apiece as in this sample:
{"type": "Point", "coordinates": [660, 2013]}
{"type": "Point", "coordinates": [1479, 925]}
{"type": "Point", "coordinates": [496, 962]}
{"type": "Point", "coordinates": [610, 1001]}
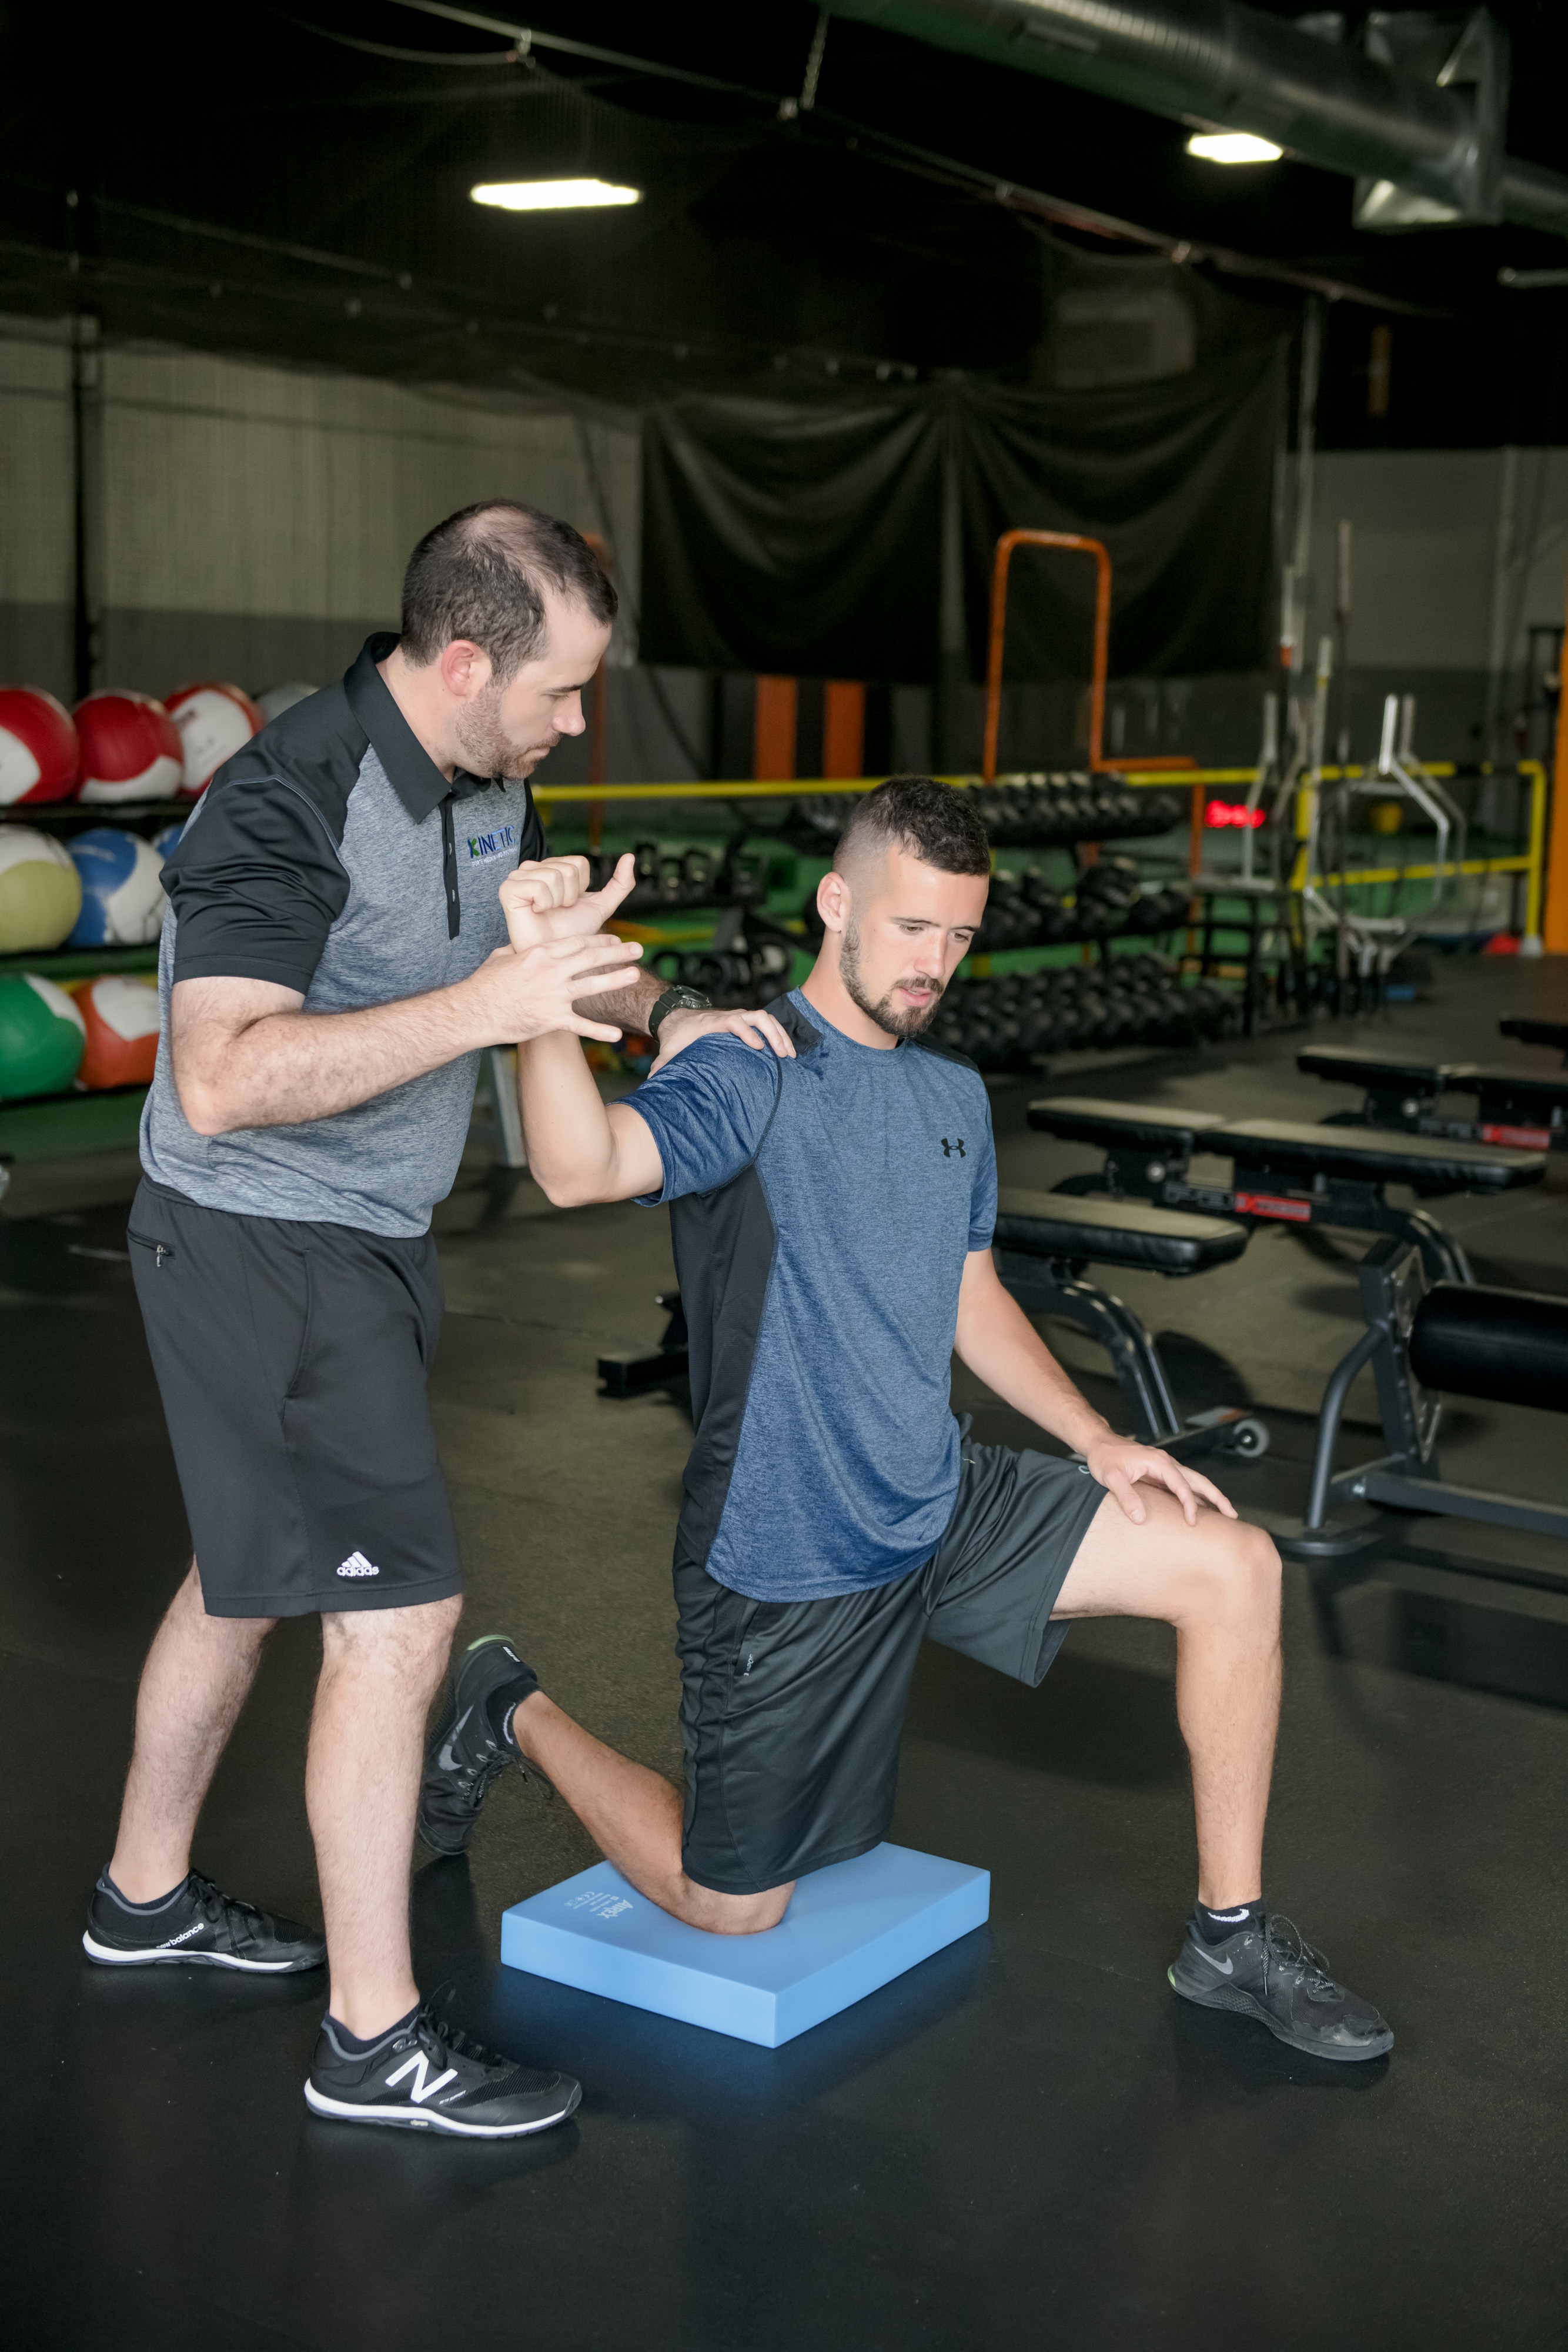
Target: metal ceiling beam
{"type": "Point", "coordinates": [1217, 65]}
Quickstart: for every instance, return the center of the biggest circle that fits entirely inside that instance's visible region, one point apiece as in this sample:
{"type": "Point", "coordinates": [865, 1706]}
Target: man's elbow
{"type": "Point", "coordinates": [567, 1188]}
{"type": "Point", "coordinates": [207, 1110]}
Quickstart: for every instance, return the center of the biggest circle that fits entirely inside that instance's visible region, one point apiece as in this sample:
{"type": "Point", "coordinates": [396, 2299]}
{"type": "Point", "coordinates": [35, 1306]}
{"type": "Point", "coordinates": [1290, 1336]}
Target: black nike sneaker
{"type": "Point", "coordinates": [1270, 1972]}
{"type": "Point", "coordinates": [198, 1926]}
{"type": "Point", "coordinates": [426, 2076]}
{"type": "Point", "coordinates": [467, 1753]}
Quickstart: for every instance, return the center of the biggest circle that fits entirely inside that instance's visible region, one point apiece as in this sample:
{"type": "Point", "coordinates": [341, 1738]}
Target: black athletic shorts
{"type": "Point", "coordinates": [791, 1711]}
{"type": "Point", "coordinates": [292, 1359]}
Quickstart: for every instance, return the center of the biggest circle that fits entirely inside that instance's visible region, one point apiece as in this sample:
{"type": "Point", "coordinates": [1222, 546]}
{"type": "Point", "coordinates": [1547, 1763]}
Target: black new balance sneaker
{"type": "Point", "coordinates": [197, 1926]}
{"type": "Point", "coordinates": [1273, 1974]}
{"type": "Point", "coordinates": [468, 1752]}
{"type": "Point", "coordinates": [427, 2076]}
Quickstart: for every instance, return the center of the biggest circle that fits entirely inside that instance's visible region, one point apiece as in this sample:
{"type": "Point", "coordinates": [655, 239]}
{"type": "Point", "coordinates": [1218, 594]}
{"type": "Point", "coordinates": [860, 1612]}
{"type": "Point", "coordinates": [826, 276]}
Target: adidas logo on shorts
{"type": "Point", "coordinates": [357, 1565]}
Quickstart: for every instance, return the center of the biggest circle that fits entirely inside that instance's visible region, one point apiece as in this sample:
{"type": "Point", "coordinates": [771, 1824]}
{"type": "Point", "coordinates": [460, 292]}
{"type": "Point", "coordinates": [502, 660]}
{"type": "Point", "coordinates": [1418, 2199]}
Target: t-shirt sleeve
{"type": "Point", "coordinates": [707, 1113]}
{"type": "Point", "coordinates": [255, 885]}
{"type": "Point", "coordinates": [983, 1190]}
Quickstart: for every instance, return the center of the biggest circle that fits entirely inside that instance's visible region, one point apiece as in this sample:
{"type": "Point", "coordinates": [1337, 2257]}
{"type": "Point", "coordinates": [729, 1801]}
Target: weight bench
{"type": "Point", "coordinates": [1043, 1243]}
{"type": "Point", "coordinates": [1282, 1172]}
{"type": "Point", "coordinates": [1510, 1347]}
{"type": "Point", "coordinates": [1551, 1033]}
{"type": "Point", "coordinates": [1526, 1112]}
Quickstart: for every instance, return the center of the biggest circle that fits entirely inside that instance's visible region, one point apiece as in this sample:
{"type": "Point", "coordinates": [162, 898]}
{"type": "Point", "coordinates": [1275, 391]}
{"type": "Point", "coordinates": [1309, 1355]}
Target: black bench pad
{"type": "Point", "coordinates": [1509, 1346]}
{"type": "Point", "coordinates": [1377, 1155]}
{"type": "Point", "coordinates": [1537, 1033]}
{"type": "Point", "coordinates": [1346, 1066]}
{"type": "Point", "coordinates": [1343, 1065]}
{"type": "Point", "coordinates": [1115, 1233]}
{"type": "Point", "coordinates": [1122, 1127]}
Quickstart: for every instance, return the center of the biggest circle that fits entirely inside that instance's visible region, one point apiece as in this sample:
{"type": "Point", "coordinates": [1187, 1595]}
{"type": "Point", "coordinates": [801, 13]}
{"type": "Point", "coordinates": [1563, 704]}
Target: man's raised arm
{"type": "Point", "coordinates": [579, 1146]}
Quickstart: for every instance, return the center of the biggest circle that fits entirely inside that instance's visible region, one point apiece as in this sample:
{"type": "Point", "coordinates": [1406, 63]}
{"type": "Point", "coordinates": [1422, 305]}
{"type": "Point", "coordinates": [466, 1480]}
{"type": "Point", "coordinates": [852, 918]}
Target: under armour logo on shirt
{"type": "Point", "coordinates": [949, 1148]}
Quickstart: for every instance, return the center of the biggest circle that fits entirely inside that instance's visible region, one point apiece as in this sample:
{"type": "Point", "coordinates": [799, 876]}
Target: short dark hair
{"type": "Point", "coordinates": [933, 822]}
{"type": "Point", "coordinates": [481, 575]}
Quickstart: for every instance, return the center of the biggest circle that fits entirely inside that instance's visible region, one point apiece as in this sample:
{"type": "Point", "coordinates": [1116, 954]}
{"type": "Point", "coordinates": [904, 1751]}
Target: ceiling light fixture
{"type": "Point", "coordinates": [552, 196]}
{"type": "Point", "coordinates": [1232, 147]}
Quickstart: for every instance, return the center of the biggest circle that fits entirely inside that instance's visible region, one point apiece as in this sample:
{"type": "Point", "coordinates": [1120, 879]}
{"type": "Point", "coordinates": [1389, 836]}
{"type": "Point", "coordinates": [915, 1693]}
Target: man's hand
{"type": "Point", "coordinates": [532, 991]}
{"type": "Point", "coordinates": [684, 1025]}
{"type": "Point", "coordinates": [1121, 1465]}
{"type": "Point", "coordinates": [548, 898]}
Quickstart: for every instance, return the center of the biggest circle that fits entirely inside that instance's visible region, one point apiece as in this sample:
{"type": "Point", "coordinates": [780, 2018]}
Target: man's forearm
{"type": "Point", "coordinates": [629, 1008]}
{"type": "Point", "coordinates": [567, 1125]}
{"type": "Point", "coordinates": [288, 1067]}
{"type": "Point", "coordinates": [997, 1342]}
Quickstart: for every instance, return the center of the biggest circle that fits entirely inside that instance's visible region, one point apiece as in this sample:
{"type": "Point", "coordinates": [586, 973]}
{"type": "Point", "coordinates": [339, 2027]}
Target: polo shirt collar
{"type": "Point", "coordinates": [414, 774]}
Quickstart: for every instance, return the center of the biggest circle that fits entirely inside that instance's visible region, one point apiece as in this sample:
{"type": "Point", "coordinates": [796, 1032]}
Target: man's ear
{"type": "Point", "coordinates": [465, 670]}
{"type": "Point", "coordinates": [833, 901]}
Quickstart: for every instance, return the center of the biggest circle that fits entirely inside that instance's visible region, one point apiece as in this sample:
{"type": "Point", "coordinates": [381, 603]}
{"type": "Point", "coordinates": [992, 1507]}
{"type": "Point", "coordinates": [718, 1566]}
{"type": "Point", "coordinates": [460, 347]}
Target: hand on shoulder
{"type": "Point", "coordinates": [684, 1027]}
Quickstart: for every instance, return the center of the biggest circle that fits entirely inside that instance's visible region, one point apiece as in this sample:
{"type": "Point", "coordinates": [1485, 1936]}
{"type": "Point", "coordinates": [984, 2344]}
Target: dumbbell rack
{"type": "Point", "coordinates": [40, 1127]}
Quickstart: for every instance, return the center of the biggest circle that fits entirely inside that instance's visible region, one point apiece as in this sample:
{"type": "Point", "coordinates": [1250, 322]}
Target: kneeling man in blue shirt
{"type": "Point", "coordinates": [832, 1206]}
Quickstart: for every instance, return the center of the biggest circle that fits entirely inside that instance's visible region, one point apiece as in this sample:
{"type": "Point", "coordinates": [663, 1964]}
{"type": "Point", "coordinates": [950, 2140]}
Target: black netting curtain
{"type": "Point", "coordinates": [792, 539]}
{"type": "Point", "coordinates": [805, 538]}
{"type": "Point", "coordinates": [1177, 477]}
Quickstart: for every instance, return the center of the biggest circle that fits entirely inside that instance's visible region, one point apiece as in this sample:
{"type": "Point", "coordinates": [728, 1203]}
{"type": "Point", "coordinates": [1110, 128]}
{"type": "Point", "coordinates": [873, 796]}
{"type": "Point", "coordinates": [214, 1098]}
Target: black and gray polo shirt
{"type": "Point", "coordinates": [332, 856]}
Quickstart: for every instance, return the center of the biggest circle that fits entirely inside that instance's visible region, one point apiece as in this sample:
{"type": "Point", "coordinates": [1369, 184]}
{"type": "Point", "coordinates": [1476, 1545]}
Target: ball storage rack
{"type": "Point", "coordinates": [103, 1118]}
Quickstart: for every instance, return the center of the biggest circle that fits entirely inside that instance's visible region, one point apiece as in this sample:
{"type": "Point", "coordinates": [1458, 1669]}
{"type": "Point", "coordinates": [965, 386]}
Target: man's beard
{"type": "Point", "coordinates": [488, 750]}
{"type": "Point", "coordinates": [899, 1020]}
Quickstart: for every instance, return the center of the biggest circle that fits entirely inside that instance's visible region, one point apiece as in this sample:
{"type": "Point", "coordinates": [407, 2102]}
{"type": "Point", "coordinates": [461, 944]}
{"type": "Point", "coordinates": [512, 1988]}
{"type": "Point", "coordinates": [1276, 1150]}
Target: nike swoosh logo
{"type": "Point", "coordinates": [1226, 1968]}
{"type": "Point", "coordinates": [446, 1759]}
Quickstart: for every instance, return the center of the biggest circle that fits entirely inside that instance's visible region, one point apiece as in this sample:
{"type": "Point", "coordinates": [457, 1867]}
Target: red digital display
{"type": "Point", "coordinates": [1219, 814]}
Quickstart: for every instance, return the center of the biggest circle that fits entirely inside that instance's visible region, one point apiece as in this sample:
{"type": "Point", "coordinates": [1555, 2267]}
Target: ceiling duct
{"type": "Point", "coordinates": [1415, 110]}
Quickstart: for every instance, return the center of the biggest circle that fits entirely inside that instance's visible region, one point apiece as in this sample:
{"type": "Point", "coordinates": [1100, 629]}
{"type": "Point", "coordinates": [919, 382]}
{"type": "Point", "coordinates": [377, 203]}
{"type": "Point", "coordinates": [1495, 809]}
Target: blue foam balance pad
{"type": "Point", "coordinates": [849, 1929]}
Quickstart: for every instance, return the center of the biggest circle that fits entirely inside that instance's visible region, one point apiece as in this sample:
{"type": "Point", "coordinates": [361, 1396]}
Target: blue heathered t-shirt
{"type": "Point", "coordinates": [821, 1210]}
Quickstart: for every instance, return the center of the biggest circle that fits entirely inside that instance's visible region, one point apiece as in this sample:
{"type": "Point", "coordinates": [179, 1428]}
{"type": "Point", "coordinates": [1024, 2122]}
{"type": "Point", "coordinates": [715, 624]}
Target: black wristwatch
{"type": "Point", "coordinates": [676, 1000]}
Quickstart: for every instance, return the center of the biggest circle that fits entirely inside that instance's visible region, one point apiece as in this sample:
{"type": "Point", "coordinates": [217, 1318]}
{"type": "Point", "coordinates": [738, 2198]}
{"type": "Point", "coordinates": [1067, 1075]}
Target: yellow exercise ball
{"type": "Point", "coordinates": [40, 891]}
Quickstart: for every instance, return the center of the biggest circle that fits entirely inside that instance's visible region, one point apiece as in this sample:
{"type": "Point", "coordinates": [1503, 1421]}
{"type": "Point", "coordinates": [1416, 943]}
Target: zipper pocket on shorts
{"type": "Point", "coordinates": [160, 1250]}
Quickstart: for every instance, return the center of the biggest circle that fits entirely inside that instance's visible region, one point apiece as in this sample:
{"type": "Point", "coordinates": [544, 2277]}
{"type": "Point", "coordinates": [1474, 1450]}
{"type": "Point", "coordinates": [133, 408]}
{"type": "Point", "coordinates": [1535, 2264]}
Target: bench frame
{"type": "Point", "coordinates": [1257, 1197]}
{"type": "Point", "coordinates": [1406, 1479]}
{"type": "Point", "coordinates": [1505, 1112]}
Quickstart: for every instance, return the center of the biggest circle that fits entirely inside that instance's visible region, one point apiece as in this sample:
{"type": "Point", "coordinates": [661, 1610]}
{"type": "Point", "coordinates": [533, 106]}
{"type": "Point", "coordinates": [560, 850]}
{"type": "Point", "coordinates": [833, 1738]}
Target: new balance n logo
{"type": "Point", "coordinates": [357, 1565]}
{"type": "Point", "coordinates": [422, 2088]}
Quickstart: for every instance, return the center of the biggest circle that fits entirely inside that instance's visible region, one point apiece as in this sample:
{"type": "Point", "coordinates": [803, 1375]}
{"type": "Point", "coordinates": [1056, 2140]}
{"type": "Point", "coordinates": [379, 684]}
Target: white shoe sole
{"type": "Point", "coordinates": [108, 1957]}
{"type": "Point", "coordinates": [348, 2111]}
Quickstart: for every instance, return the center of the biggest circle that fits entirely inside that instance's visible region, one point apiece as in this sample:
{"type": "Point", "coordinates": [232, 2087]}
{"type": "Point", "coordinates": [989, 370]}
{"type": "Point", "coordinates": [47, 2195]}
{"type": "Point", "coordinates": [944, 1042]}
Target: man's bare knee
{"type": "Point", "coordinates": [1236, 1577]}
{"type": "Point", "coordinates": [410, 1645]}
{"type": "Point", "coordinates": [734, 1915]}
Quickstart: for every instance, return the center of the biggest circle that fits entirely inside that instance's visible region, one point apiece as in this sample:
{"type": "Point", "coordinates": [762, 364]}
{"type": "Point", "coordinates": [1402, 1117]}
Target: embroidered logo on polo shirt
{"type": "Point", "coordinates": [482, 847]}
{"type": "Point", "coordinates": [357, 1565]}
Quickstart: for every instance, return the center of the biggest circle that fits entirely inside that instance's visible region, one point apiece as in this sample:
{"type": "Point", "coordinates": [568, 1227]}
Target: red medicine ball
{"type": "Point", "coordinates": [131, 748]}
{"type": "Point", "coordinates": [38, 747]}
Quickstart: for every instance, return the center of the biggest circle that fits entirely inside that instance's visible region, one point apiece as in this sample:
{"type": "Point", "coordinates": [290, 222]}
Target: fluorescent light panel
{"type": "Point", "coordinates": [1232, 147]}
{"type": "Point", "coordinates": [552, 196]}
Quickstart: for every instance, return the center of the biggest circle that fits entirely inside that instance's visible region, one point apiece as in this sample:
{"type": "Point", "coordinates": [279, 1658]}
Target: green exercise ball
{"type": "Point", "coordinates": [42, 1036]}
{"type": "Point", "coordinates": [40, 891]}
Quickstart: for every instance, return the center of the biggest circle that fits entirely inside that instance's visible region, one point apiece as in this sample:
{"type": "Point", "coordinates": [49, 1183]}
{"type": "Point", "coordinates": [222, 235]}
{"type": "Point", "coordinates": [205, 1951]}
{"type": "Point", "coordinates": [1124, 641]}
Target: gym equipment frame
{"type": "Point", "coordinates": [1282, 1172]}
{"type": "Point", "coordinates": [1505, 1346]}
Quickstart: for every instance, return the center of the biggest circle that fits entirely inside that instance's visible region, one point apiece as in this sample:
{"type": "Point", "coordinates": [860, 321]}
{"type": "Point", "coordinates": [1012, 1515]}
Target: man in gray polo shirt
{"type": "Point", "coordinates": [334, 960]}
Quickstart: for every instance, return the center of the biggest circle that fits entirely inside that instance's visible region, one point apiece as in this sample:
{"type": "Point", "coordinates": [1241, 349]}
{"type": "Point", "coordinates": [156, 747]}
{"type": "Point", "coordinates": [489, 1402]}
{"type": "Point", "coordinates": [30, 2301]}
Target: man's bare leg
{"type": "Point", "coordinates": [634, 1816]}
{"type": "Point", "coordinates": [379, 1670]}
{"type": "Point", "coordinates": [197, 1677]}
{"type": "Point", "coordinates": [1218, 1584]}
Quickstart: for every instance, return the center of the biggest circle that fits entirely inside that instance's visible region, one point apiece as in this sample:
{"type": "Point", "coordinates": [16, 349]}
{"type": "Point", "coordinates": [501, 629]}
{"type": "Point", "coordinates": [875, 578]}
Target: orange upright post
{"type": "Point", "coordinates": [1005, 546]}
{"type": "Point", "coordinates": [1554, 921]}
{"type": "Point", "coordinates": [773, 731]}
{"type": "Point", "coordinates": [843, 729]}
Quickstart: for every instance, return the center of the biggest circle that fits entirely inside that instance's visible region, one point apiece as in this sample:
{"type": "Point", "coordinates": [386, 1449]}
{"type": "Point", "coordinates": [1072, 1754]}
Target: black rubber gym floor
{"type": "Point", "coordinates": [1027, 2139]}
